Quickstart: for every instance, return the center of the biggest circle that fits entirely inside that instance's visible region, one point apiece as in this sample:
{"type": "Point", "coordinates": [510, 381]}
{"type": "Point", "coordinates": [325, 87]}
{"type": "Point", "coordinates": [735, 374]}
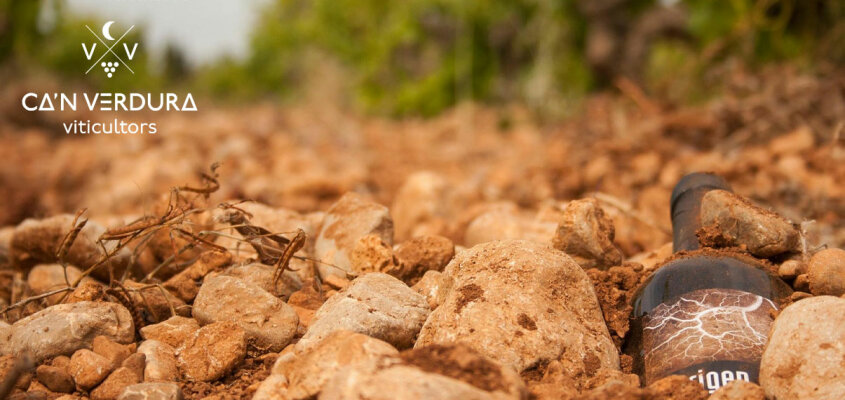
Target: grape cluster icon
{"type": "Point", "coordinates": [109, 67]}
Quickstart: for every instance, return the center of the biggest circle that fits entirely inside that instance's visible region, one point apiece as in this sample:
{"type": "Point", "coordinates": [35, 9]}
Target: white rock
{"type": "Point", "coordinates": [262, 276]}
{"type": "Point", "coordinates": [161, 364]}
{"type": "Point", "coordinates": [439, 372]}
{"type": "Point", "coordinates": [151, 391]}
{"type": "Point", "coordinates": [302, 373]}
{"type": "Point", "coordinates": [65, 328]}
{"type": "Point", "coordinates": [419, 202]}
{"type": "Point", "coordinates": [377, 305]}
{"type": "Point", "coordinates": [507, 222]}
{"type": "Point", "coordinates": [351, 218]}
{"type": "Point", "coordinates": [270, 324]}
{"type": "Point", "coordinates": [45, 278]}
{"type": "Point", "coordinates": [806, 350]}
{"type": "Point", "coordinates": [520, 302]}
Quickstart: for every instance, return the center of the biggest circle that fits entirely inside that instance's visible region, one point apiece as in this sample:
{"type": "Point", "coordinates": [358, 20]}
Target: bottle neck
{"type": "Point", "coordinates": [686, 207]}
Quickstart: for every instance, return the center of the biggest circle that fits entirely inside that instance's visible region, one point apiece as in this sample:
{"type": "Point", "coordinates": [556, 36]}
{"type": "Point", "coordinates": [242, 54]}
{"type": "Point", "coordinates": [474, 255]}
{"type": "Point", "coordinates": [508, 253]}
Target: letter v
{"type": "Point", "coordinates": [128, 54]}
{"type": "Point", "coordinates": [90, 53]}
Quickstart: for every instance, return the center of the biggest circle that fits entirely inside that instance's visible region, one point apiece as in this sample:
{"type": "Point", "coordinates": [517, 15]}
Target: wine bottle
{"type": "Point", "coordinates": [705, 314]}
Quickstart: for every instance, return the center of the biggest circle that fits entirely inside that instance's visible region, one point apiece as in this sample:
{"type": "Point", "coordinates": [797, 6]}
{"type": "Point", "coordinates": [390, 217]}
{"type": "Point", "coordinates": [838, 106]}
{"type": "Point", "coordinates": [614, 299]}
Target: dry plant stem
{"type": "Point", "coordinates": [167, 261]}
{"type": "Point", "coordinates": [144, 228]}
{"type": "Point", "coordinates": [71, 236]}
{"type": "Point", "coordinates": [147, 304]}
{"type": "Point", "coordinates": [212, 178]}
{"type": "Point", "coordinates": [68, 241]}
{"type": "Point", "coordinates": [284, 261]}
{"type": "Point", "coordinates": [242, 240]}
{"type": "Point", "coordinates": [261, 239]}
{"type": "Point", "coordinates": [199, 240]}
{"type": "Point", "coordinates": [164, 294]}
{"type": "Point", "coordinates": [628, 210]}
{"type": "Point", "coordinates": [140, 291]}
{"type": "Point", "coordinates": [34, 298]}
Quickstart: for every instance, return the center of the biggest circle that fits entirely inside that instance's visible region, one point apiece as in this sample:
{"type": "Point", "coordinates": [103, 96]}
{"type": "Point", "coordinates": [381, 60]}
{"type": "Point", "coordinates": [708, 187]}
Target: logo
{"type": "Point", "coordinates": [111, 56]}
{"type": "Point", "coordinates": [110, 62]}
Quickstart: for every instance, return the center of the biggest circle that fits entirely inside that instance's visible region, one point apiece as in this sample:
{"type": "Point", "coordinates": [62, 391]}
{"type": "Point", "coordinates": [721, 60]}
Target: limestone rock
{"type": "Point", "coordinates": [351, 218]}
{"type": "Point", "coordinates": [88, 290]}
{"type": "Point", "coordinates": [420, 204]}
{"type": "Point", "coordinates": [790, 269]}
{"type": "Point", "coordinates": [651, 259]}
{"type": "Point", "coordinates": [739, 390]}
{"type": "Point", "coordinates": [161, 364]}
{"type": "Point", "coordinates": [65, 328]}
{"type": "Point", "coordinates": [151, 391]}
{"type": "Point", "coordinates": [36, 240]}
{"type": "Point", "coordinates": [435, 372]}
{"type": "Point", "coordinates": [613, 390]}
{"type": "Point", "coordinates": [111, 388]}
{"type": "Point", "coordinates": [88, 368]}
{"type": "Point", "coordinates": [55, 379]}
{"type": "Point", "coordinates": [262, 276]}
{"type": "Point", "coordinates": [272, 388]}
{"type": "Point", "coordinates": [802, 283]}
{"type": "Point", "coordinates": [212, 351]}
{"type": "Point", "coordinates": [270, 323]}
{"type": "Point", "coordinates": [434, 285]}
{"type": "Point", "coordinates": [676, 387]}
{"type": "Point", "coordinates": [137, 363]}
{"type": "Point", "coordinates": [377, 305]}
{"type": "Point", "coordinates": [308, 368]}
{"type": "Point", "coordinates": [568, 377]}
{"type": "Point", "coordinates": [422, 254]}
{"type": "Point", "coordinates": [803, 359]}
{"type": "Point", "coordinates": [729, 220]}
{"type": "Point", "coordinates": [114, 352]}
{"type": "Point", "coordinates": [586, 234]}
{"type": "Point", "coordinates": [520, 302]}
{"type": "Point", "coordinates": [173, 331]}
{"type": "Point", "coordinates": [505, 221]}
{"type": "Point", "coordinates": [826, 272]}
{"type": "Point", "coordinates": [372, 254]}
{"type": "Point", "coordinates": [45, 278]}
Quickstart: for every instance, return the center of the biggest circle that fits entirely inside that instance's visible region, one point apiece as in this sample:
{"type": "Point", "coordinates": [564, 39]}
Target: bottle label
{"type": "Point", "coordinates": [707, 327]}
{"type": "Point", "coordinates": [713, 375]}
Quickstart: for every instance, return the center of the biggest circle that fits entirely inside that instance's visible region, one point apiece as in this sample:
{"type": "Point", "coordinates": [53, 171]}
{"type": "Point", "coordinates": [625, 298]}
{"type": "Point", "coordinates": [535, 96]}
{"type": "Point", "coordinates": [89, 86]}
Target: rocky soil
{"type": "Point", "coordinates": [473, 256]}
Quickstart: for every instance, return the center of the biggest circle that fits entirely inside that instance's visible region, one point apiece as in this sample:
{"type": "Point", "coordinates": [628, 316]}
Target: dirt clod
{"type": "Point", "coordinates": [586, 234]}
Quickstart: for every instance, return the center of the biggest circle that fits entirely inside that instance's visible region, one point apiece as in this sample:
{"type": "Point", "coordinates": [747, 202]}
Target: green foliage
{"type": "Point", "coordinates": [419, 57]}
{"type": "Point", "coordinates": [762, 31]}
{"type": "Point", "coordinates": [410, 57]}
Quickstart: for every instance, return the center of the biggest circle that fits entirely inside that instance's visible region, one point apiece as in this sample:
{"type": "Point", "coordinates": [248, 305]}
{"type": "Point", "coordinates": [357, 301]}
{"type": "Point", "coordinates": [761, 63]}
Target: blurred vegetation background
{"type": "Point", "coordinates": [419, 57]}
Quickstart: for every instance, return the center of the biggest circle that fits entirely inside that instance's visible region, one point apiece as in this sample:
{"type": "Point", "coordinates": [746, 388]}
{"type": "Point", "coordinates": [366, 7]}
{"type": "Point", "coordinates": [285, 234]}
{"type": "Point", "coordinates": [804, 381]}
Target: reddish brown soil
{"type": "Point", "coordinates": [468, 294]}
{"type": "Point", "coordinates": [240, 384]}
{"type": "Point", "coordinates": [457, 362]}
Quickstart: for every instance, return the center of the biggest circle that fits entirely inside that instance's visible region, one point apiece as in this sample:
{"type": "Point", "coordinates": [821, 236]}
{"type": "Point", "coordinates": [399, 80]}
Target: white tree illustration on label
{"type": "Point", "coordinates": [713, 336]}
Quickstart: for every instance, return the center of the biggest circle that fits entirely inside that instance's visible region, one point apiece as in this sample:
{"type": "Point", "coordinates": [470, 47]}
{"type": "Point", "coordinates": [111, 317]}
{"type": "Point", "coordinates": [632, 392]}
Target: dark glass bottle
{"type": "Point", "coordinates": [705, 314]}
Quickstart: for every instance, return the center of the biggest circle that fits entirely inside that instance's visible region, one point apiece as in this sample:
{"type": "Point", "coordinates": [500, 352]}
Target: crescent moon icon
{"type": "Point", "coordinates": [106, 32]}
